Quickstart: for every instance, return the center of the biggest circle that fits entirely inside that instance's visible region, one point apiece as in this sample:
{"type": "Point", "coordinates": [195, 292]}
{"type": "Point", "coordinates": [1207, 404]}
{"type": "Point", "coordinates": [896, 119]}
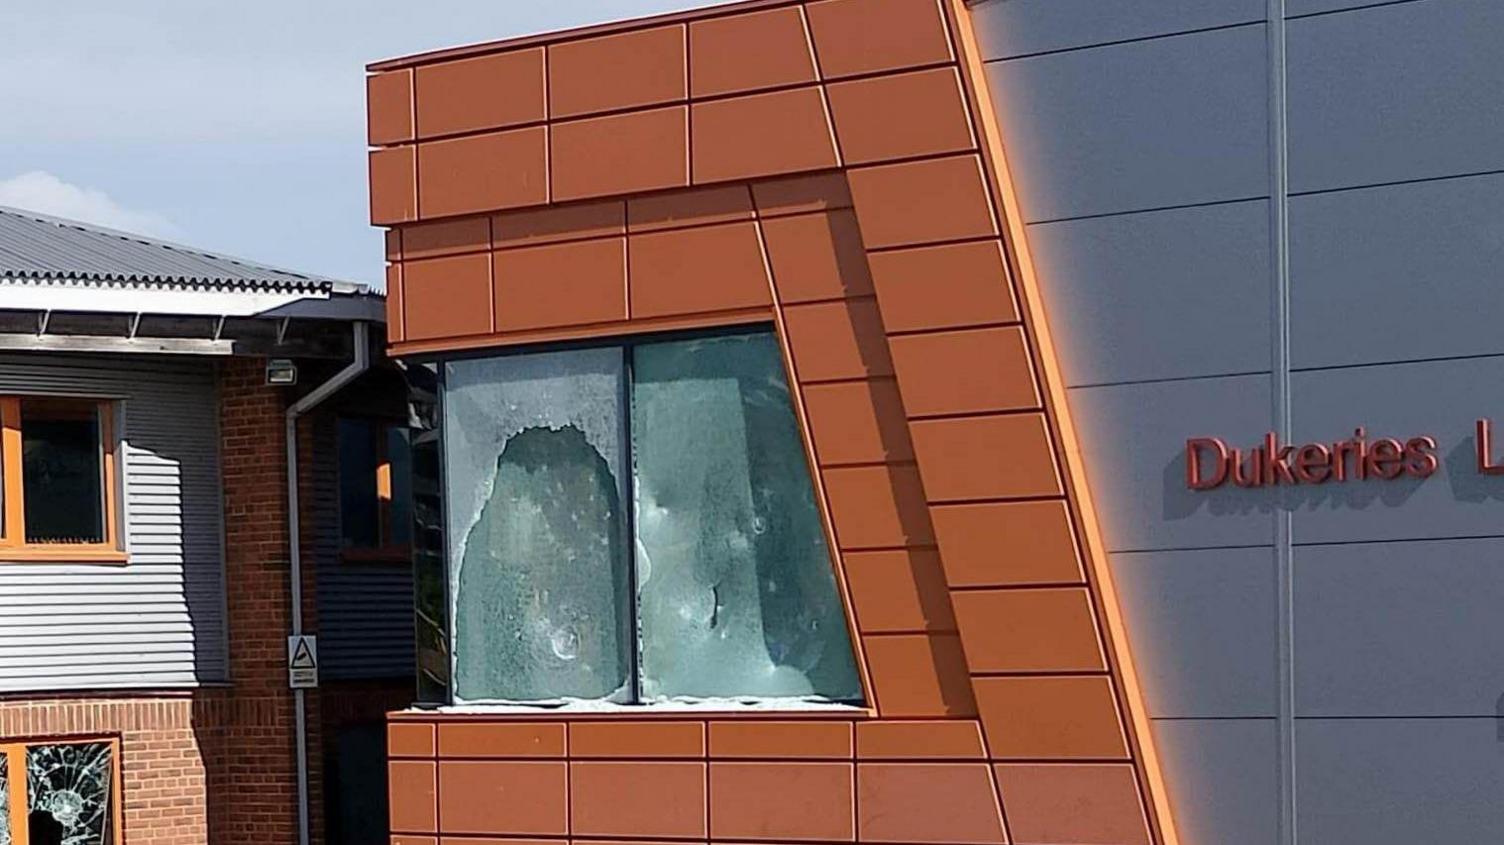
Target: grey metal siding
{"type": "Point", "coordinates": [365, 609]}
{"type": "Point", "coordinates": [157, 621]}
{"type": "Point", "coordinates": [1139, 135]}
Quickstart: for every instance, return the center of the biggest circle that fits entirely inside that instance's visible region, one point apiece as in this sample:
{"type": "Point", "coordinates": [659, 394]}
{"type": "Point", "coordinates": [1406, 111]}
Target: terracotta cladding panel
{"type": "Point", "coordinates": [1029, 630]}
{"type": "Point", "coordinates": [393, 243]}
{"type": "Point", "coordinates": [1051, 717]}
{"type": "Point", "coordinates": [922, 202]}
{"type": "Point", "coordinates": [1006, 457]}
{"type": "Point", "coordinates": [817, 257]}
{"type": "Point", "coordinates": [507, 798]}
{"type": "Point", "coordinates": [575, 221]}
{"type": "Point", "coordinates": [927, 802]}
{"type": "Point", "coordinates": [901, 116]}
{"type": "Point", "coordinates": [781, 801]}
{"type": "Point", "coordinates": [782, 740]}
{"type": "Point", "coordinates": [864, 36]}
{"type": "Point", "coordinates": [877, 507]}
{"type": "Point", "coordinates": [801, 194]}
{"type": "Point", "coordinates": [501, 739]}
{"type": "Point", "coordinates": [447, 297]}
{"type": "Point", "coordinates": [485, 92]}
{"type": "Point", "coordinates": [919, 676]}
{"type": "Point", "coordinates": [446, 237]}
{"type": "Point", "coordinates": [941, 287]}
{"type": "Point", "coordinates": [898, 591]}
{"type": "Point", "coordinates": [413, 805]}
{"type": "Point", "coordinates": [561, 284]}
{"type": "Point", "coordinates": [1088, 803]}
{"type": "Point", "coordinates": [394, 186]}
{"type": "Point", "coordinates": [639, 798]}
{"type": "Point", "coordinates": [761, 135]}
{"type": "Point", "coordinates": [410, 740]}
{"type": "Point", "coordinates": [1007, 543]}
{"type": "Point", "coordinates": [837, 340]}
{"type": "Point", "coordinates": [619, 71]}
{"type": "Point", "coordinates": [389, 107]}
{"type": "Point", "coordinates": [415, 840]}
{"type": "Point", "coordinates": [620, 154]}
{"type": "Point", "coordinates": [689, 271]}
{"type": "Point", "coordinates": [951, 739]}
{"type": "Point", "coordinates": [394, 307]}
{"type": "Point", "coordinates": [746, 52]}
{"type": "Point", "coordinates": [859, 422]}
{"type": "Point", "coordinates": [939, 373]}
{"type": "Point", "coordinates": [637, 739]}
{"type": "Point", "coordinates": [693, 207]}
{"type": "Point", "coordinates": [483, 172]}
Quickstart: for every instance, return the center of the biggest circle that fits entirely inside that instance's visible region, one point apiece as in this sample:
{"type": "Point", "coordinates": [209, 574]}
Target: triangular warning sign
{"type": "Point", "coordinates": [302, 658]}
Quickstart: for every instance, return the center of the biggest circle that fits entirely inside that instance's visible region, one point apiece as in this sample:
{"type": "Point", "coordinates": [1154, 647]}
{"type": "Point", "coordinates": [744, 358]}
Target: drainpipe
{"type": "Point", "coordinates": [359, 364]}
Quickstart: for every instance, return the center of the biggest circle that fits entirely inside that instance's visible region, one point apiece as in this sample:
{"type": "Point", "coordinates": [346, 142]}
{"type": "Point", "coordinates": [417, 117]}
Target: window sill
{"type": "Point", "coordinates": [62, 554]}
{"type": "Point", "coordinates": [716, 708]}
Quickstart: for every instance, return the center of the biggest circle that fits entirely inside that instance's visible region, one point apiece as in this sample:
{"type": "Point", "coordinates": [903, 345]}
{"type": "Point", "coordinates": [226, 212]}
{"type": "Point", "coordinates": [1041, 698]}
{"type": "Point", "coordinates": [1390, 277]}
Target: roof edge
{"type": "Point", "coordinates": [574, 33]}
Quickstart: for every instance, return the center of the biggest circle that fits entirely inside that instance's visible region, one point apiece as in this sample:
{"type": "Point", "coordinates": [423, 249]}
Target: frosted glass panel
{"type": "Point", "coordinates": [737, 598]}
{"type": "Point", "coordinates": [536, 491]}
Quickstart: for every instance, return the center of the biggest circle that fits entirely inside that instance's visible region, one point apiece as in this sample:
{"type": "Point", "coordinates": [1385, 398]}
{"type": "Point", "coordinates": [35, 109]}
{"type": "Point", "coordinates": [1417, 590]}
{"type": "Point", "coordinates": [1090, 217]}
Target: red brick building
{"type": "Point", "coordinates": [145, 595]}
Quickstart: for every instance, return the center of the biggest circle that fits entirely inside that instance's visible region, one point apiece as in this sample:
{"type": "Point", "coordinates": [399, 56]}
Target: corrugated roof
{"type": "Point", "coordinates": [41, 248]}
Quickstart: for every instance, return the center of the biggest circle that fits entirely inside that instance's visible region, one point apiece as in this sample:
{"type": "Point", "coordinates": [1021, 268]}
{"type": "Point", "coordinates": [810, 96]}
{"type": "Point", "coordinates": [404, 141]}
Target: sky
{"type": "Point", "coordinates": [230, 126]}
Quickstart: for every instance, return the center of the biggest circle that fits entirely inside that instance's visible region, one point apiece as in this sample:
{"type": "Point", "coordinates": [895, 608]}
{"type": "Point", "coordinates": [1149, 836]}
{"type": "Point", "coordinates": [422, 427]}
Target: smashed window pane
{"type": "Point", "coordinates": [737, 597]}
{"type": "Point", "coordinates": [69, 794]}
{"type": "Point", "coordinates": [4, 799]}
{"type": "Point", "coordinates": [536, 491]}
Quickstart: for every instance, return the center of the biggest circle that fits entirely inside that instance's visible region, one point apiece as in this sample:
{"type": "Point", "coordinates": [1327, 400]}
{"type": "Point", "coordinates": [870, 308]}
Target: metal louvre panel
{"type": "Point", "coordinates": [158, 621]}
{"type": "Point", "coordinates": [365, 609]}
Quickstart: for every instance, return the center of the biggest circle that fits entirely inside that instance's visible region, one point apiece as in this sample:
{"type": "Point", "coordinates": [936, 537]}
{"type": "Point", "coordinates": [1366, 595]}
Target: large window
{"type": "Point", "coordinates": [375, 489]}
{"type": "Point", "coordinates": [637, 524]}
{"type": "Point", "coordinates": [57, 461]}
{"type": "Point", "coordinates": [62, 793]}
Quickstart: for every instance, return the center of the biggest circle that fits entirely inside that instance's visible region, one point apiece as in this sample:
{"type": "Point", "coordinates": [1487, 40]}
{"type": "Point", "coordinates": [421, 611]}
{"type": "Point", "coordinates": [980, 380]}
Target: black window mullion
{"type": "Point", "coordinates": [629, 523]}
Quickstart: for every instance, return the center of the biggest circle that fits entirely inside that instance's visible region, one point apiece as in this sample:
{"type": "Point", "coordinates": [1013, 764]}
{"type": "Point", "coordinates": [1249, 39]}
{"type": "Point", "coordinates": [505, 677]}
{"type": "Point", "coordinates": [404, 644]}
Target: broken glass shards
{"type": "Point", "coordinates": [69, 793]}
{"type": "Point", "coordinates": [539, 573]}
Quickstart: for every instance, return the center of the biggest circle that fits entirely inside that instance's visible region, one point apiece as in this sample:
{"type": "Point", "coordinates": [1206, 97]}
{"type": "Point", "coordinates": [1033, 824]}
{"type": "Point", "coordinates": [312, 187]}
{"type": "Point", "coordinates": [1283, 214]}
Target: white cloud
{"type": "Point", "coordinates": [44, 193]}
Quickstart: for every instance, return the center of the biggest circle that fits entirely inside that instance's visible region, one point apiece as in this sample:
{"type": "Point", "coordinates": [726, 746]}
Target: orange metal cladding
{"type": "Point", "coordinates": [844, 182]}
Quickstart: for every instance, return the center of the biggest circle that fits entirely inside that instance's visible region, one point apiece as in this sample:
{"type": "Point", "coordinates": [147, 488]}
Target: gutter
{"type": "Point", "coordinates": [359, 364]}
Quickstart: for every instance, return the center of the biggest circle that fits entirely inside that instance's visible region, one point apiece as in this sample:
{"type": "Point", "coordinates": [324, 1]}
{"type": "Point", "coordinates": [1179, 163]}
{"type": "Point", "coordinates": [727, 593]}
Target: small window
{"type": "Point", "coordinates": [637, 524]}
{"type": "Point", "coordinates": [59, 793]}
{"type": "Point", "coordinates": [57, 459]}
{"type": "Point", "coordinates": [375, 489]}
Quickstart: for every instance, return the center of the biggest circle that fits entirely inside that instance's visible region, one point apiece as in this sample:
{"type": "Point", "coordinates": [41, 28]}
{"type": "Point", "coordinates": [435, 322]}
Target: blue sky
{"type": "Point", "coordinates": [237, 127]}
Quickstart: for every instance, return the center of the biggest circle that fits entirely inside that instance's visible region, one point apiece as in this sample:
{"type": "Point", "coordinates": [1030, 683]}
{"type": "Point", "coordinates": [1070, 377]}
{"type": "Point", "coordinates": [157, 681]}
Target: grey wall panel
{"type": "Point", "coordinates": [1406, 91]}
{"type": "Point", "coordinates": [1133, 440]}
{"type": "Point", "coordinates": [365, 609]}
{"type": "Point", "coordinates": [1399, 781]}
{"type": "Point", "coordinates": [1201, 627]}
{"type": "Point", "coordinates": [1438, 398]}
{"type": "Point", "coordinates": [1159, 294]}
{"type": "Point", "coordinates": [1399, 629]}
{"type": "Point", "coordinates": [1171, 121]}
{"type": "Point", "coordinates": [1007, 28]}
{"type": "Point", "coordinates": [1397, 273]}
{"type": "Point", "coordinates": [1299, 8]}
{"type": "Point", "coordinates": [1223, 779]}
{"type": "Point", "coordinates": [159, 620]}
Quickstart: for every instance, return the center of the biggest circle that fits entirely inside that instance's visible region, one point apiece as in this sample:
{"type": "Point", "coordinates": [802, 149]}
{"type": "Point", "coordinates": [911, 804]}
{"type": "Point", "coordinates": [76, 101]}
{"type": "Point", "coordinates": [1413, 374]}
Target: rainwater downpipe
{"type": "Point", "coordinates": [359, 364]}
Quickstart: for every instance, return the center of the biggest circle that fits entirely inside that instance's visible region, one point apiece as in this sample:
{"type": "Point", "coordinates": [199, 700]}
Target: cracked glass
{"type": "Point", "coordinates": [69, 794]}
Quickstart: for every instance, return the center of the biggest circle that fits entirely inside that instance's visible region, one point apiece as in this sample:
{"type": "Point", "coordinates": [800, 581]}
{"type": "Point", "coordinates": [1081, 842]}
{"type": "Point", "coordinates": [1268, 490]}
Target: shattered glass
{"type": "Point", "coordinates": [69, 793]}
{"type": "Point", "coordinates": [536, 491]}
{"type": "Point", "coordinates": [4, 800]}
{"type": "Point", "coordinates": [736, 594]}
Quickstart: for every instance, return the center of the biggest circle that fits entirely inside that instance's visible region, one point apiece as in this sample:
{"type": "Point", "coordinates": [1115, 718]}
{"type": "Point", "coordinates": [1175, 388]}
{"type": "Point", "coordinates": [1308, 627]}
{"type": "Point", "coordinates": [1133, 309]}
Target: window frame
{"type": "Point", "coordinates": [385, 551]}
{"type": "Point", "coordinates": [626, 344]}
{"type": "Point", "coordinates": [19, 787]}
{"type": "Point", "coordinates": [13, 545]}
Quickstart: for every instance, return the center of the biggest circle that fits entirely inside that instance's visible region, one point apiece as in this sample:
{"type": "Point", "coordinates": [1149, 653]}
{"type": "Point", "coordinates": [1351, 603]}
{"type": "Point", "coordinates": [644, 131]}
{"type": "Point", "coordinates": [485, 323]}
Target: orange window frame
{"type": "Point", "coordinates": [16, 782]}
{"type": "Point", "coordinates": [13, 545]}
{"type": "Point", "coordinates": [385, 551]}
